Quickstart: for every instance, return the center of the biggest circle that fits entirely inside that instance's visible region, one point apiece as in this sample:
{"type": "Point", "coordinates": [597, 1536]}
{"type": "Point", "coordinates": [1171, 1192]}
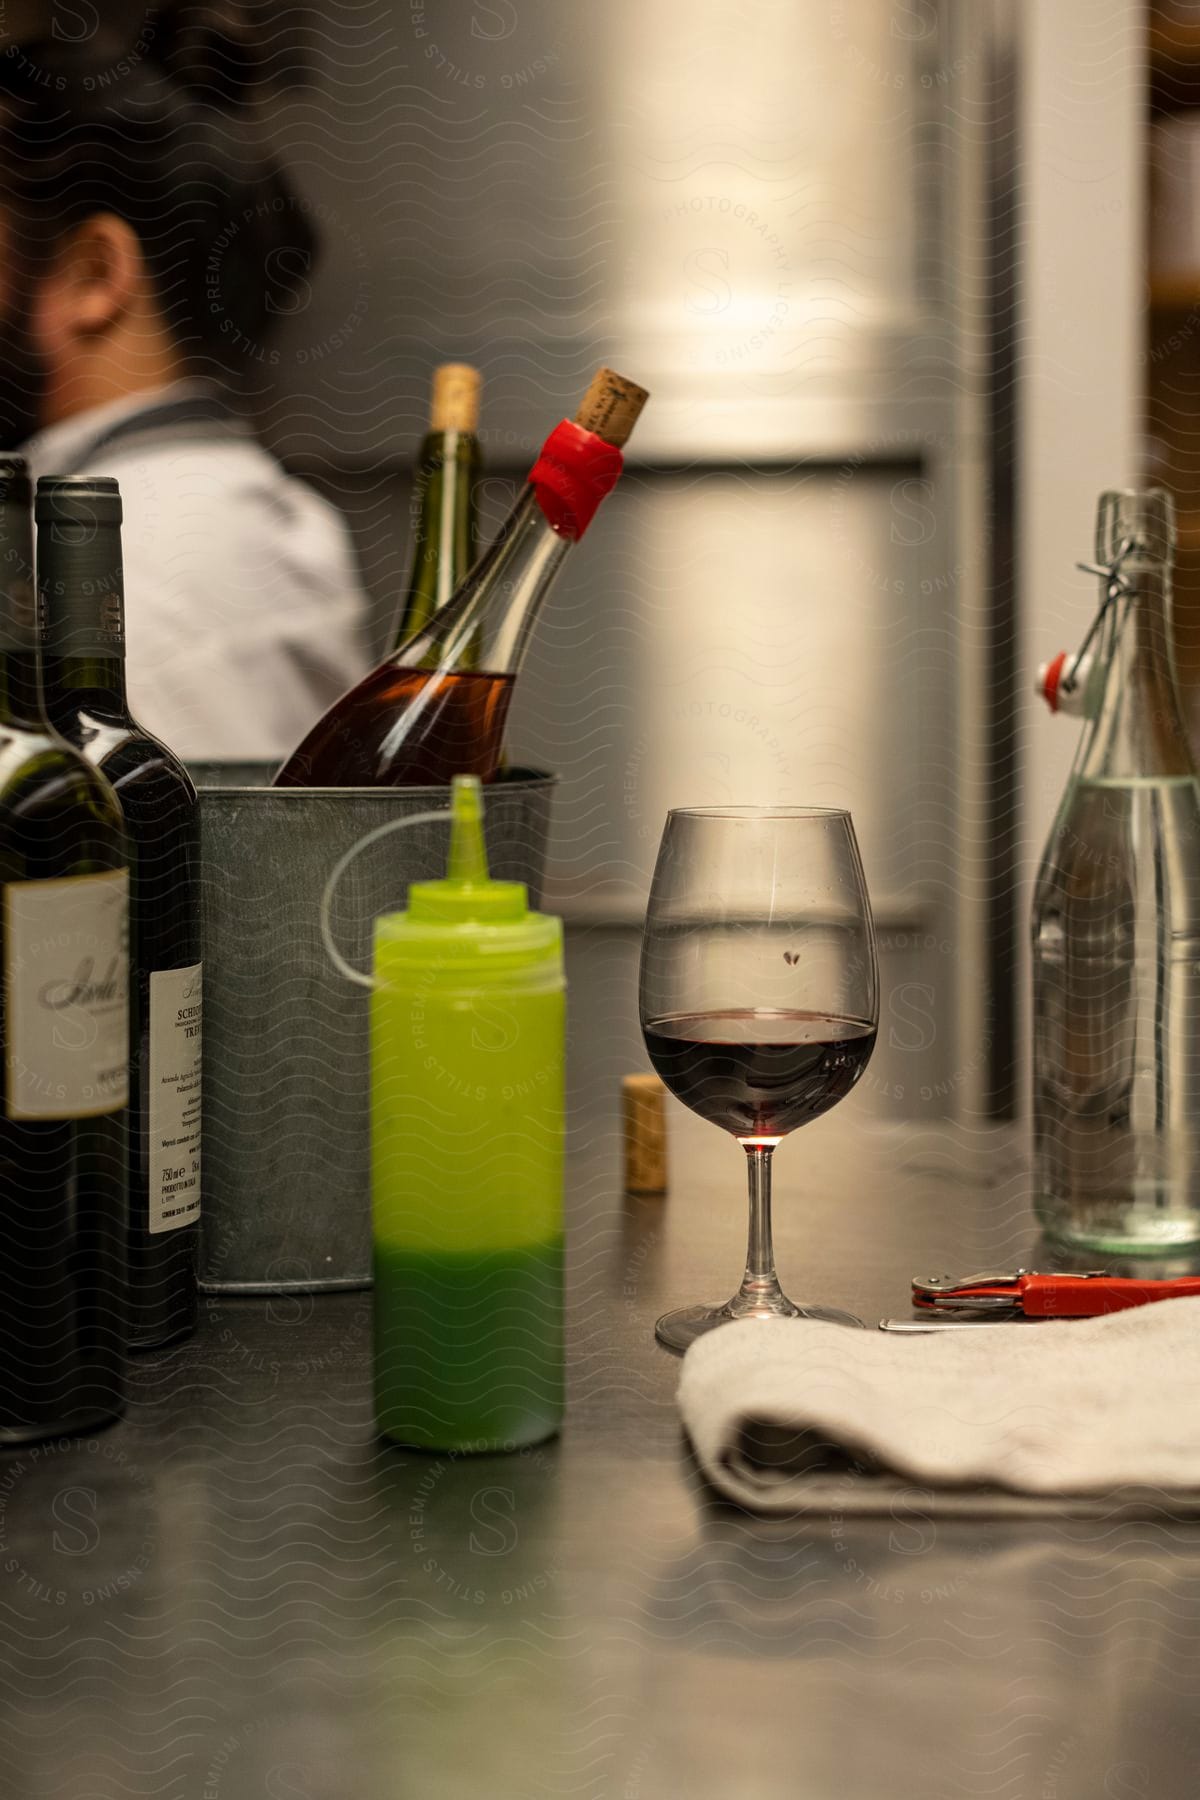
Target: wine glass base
{"type": "Point", "coordinates": [676, 1330]}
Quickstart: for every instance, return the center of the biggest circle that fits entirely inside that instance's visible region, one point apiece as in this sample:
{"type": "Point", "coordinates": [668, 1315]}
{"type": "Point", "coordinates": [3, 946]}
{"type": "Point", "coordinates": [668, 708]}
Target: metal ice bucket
{"type": "Point", "coordinates": [286, 1147]}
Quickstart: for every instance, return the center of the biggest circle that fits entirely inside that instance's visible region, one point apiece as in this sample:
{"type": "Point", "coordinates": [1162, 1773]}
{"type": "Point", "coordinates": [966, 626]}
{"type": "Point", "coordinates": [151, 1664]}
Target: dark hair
{"type": "Point", "coordinates": [165, 132]}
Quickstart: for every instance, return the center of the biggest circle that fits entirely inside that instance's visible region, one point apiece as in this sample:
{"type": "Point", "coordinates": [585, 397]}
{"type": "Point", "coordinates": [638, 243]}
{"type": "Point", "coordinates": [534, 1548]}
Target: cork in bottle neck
{"type": "Point", "coordinates": [454, 405]}
{"type": "Point", "coordinates": [611, 406]}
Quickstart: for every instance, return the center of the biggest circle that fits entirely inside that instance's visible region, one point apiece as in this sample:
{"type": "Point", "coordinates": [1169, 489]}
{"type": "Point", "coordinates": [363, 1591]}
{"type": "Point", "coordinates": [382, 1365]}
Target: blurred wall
{"type": "Point", "coordinates": [1083, 131]}
{"type": "Point", "coordinates": [774, 218]}
{"type": "Point", "coordinates": [861, 251]}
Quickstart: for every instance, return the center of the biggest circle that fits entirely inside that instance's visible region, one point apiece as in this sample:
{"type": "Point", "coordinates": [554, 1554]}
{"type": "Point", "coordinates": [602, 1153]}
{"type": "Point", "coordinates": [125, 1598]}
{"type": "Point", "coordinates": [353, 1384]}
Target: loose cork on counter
{"type": "Point", "coordinates": [645, 1124]}
{"type": "Point", "coordinates": [454, 405]}
{"type": "Point", "coordinates": [611, 406]}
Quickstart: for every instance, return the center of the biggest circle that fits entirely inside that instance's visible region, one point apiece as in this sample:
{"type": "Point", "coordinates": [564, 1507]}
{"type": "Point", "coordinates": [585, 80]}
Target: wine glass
{"type": "Point", "coordinates": [759, 999]}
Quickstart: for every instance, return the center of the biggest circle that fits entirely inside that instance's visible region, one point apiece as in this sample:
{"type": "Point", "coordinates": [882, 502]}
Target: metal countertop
{"type": "Point", "coordinates": [235, 1593]}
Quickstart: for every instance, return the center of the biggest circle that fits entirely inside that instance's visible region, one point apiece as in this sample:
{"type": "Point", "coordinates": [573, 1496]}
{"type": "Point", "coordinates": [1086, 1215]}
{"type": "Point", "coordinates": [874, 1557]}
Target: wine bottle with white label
{"type": "Point", "coordinates": [64, 1042]}
{"type": "Point", "coordinates": [82, 605]}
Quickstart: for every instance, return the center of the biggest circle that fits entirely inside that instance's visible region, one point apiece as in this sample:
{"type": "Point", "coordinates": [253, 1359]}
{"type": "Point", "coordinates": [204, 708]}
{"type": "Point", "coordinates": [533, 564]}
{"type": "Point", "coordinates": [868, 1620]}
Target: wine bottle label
{"type": "Point", "coordinates": [174, 1097]}
{"type": "Point", "coordinates": [66, 996]}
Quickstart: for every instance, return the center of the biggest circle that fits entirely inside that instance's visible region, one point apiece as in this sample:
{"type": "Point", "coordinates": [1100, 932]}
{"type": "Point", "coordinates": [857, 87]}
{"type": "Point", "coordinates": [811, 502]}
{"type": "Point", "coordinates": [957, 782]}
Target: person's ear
{"type": "Point", "coordinates": [97, 274]}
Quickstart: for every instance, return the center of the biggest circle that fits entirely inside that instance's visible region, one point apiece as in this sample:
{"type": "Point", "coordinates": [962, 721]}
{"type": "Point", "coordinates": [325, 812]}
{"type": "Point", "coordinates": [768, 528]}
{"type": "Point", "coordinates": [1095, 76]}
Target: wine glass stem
{"type": "Point", "coordinates": [760, 1282]}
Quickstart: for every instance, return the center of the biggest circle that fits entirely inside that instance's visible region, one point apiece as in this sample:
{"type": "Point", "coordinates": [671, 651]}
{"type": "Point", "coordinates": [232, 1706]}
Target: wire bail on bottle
{"type": "Point", "coordinates": [1063, 681]}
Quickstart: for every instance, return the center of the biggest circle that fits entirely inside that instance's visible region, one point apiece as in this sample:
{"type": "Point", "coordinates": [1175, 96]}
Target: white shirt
{"type": "Point", "coordinates": [244, 611]}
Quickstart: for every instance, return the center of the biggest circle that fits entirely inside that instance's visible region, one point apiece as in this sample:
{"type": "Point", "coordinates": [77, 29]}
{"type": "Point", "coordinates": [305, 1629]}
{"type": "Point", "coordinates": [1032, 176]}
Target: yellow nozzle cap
{"type": "Point", "coordinates": [468, 852]}
{"type": "Point", "coordinates": [468, 891]}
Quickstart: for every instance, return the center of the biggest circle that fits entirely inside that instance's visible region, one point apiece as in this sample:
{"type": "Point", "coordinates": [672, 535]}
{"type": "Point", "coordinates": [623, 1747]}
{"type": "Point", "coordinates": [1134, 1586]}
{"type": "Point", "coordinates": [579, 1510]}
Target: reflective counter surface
{"type": "Point", "coordinates": [236, 1593]}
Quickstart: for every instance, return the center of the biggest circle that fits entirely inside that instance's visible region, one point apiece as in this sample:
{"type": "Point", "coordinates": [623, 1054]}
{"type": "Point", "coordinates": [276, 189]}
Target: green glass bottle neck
{"type": "Point", "coordinates": [1138, 729]}
{"type": "Point", "coordinates": [93, 684]}
{"type": "Point", "coordinates": [445, 535]}
{"type": "Point", "coordinates": [20, 694]}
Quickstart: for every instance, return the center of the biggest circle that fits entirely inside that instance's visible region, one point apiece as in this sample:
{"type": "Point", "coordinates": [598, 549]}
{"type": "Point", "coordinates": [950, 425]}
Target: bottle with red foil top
{"type": "Point", "coordinates": [426, 714]}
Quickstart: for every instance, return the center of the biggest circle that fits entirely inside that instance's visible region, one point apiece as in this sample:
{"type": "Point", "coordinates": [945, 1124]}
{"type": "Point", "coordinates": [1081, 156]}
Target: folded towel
{"type": "Point", "coordinates": [775, 1407]}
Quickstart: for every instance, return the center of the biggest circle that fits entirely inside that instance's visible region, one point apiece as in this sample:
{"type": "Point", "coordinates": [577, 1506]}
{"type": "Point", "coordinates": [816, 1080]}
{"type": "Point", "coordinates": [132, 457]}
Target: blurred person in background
{"type": "Point", "coordinates": [148, 244]}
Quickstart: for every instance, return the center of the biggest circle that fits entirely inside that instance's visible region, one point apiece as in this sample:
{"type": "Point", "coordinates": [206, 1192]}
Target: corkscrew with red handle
{"type": "Point", "coordinates": [1025, 1294]}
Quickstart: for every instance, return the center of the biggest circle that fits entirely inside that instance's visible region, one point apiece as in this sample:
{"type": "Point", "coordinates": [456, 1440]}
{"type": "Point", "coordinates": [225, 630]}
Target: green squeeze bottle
{"type": "Point", "coordinates": [467, 1065]}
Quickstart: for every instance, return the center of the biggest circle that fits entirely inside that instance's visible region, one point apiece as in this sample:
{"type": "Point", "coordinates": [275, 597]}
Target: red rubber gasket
{"type": "Point", "coordinates": [574, 472]}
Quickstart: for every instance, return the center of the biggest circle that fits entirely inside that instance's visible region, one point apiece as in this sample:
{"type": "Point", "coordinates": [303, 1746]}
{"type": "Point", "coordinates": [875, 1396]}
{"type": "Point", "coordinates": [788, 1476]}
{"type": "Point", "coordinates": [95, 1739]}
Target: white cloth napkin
{"type": "Point", "coordinates": [774, 1408]}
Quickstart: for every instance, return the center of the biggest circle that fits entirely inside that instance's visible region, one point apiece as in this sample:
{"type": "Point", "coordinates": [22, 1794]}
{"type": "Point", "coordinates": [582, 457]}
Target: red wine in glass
{"type": "Point", "coordinates": [759, 1074]}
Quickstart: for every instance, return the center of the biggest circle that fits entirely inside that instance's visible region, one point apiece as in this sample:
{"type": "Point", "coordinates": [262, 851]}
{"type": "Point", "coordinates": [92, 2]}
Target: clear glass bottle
{"type": "Point", "coordinates": [436, 708]}
{"type": "Point", "coordinates": [1116, 929]}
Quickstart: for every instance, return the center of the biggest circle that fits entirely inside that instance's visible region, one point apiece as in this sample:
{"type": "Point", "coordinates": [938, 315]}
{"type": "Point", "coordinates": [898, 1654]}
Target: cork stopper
{"type": "Point", "coordinates": [455, 401]}
{"type": "Point", "coordinates": [645, 1121]}
{"type": "Point", "coordinates": [611, 406]}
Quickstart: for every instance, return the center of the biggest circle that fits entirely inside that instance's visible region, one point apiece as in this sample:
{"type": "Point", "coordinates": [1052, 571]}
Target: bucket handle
{"type": "Point", "coordinates": [339, 869]}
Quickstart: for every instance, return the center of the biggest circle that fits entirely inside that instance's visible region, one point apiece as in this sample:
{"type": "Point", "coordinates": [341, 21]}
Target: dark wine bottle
{"type": "Point", "coordinates": [446, 535]}
{"type": "Point", "coordinates": [427, 713]}
{"type": "Point", "coordinates": [64, 1042]}
{"type": "Point", "coordinates": [83, 678]}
